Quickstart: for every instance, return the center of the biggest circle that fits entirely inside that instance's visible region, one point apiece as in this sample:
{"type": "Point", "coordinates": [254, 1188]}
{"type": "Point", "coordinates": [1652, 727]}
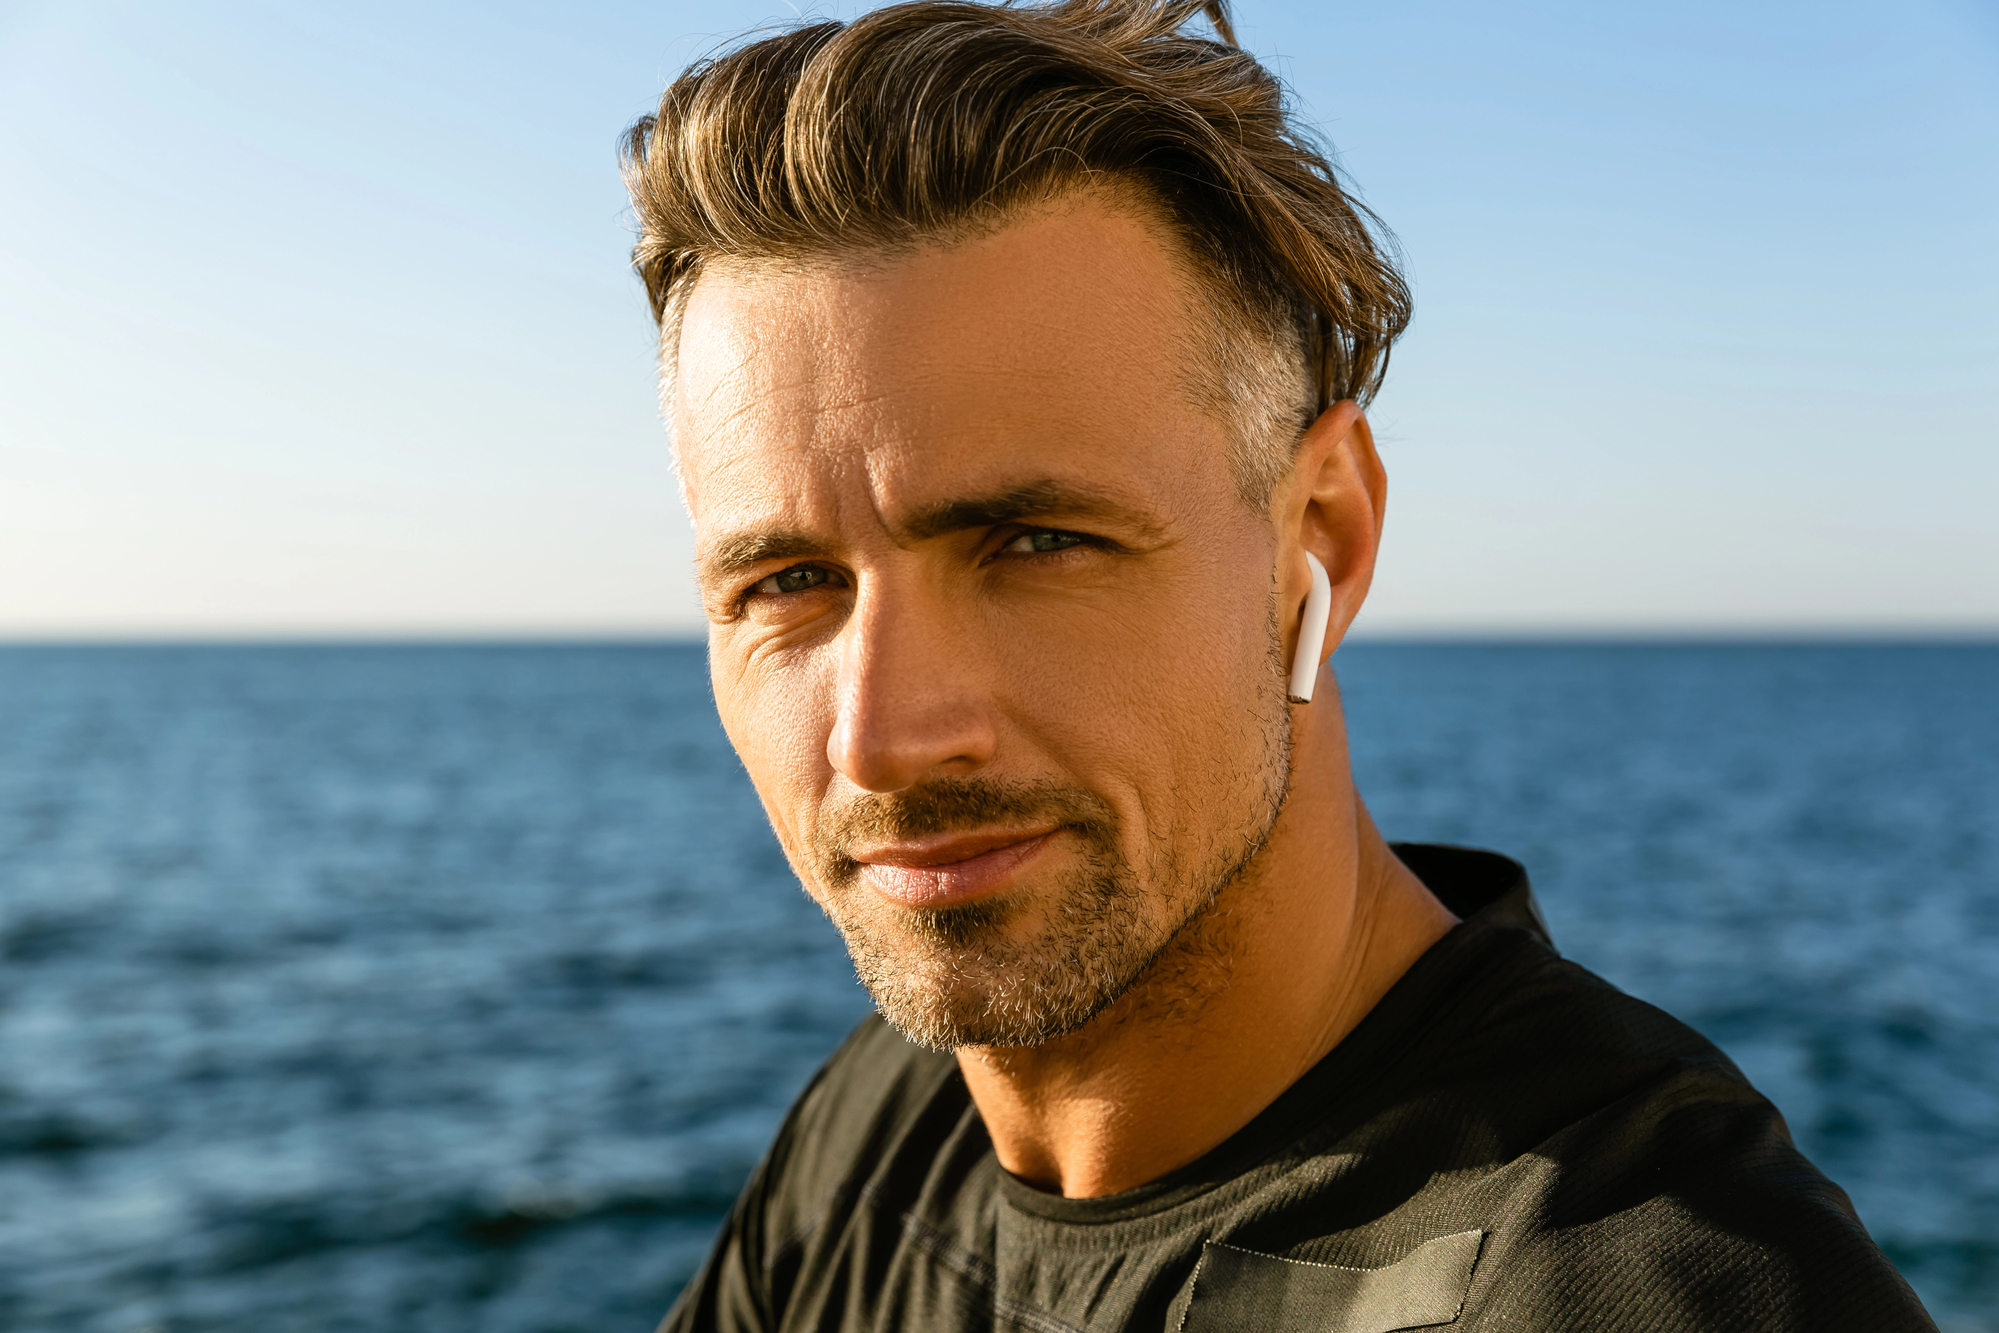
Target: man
{"type": "Point", "coordinates": [1014, 359]}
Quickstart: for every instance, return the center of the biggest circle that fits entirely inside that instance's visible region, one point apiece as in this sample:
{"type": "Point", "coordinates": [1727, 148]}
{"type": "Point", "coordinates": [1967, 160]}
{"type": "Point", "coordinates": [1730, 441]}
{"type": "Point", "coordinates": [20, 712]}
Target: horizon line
{"type": "Point", "coordinates": [1669, 635]}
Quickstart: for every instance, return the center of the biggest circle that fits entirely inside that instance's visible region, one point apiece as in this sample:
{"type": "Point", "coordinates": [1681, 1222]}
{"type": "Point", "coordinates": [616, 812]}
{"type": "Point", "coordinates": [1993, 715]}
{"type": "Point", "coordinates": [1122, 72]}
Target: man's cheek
{"type": "Point", "coordinates": [781, 739]}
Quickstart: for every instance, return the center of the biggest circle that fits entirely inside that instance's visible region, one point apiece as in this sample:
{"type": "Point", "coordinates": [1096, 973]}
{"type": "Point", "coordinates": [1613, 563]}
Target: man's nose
{"type": "Point", "coordinates": [911, 706]}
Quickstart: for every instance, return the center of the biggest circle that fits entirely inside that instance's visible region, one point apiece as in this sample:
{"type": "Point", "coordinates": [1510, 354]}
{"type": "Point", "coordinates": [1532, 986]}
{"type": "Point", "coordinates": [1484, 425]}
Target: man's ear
{"type": "Point", "coordinates": [1332, 505]}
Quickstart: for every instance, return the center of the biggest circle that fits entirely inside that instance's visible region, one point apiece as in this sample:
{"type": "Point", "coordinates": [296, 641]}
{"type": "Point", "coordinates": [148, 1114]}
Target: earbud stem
{"type": "Point", "coordinates": [1311, 633]}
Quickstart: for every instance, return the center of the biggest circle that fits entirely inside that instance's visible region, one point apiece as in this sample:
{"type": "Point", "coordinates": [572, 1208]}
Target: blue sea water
{"type": "Point", "coordinates": [440, 988]}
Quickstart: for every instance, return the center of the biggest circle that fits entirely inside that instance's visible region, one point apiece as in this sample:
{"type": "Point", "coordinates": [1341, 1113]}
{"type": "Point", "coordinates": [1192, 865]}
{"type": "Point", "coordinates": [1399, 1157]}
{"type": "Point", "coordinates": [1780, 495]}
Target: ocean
{"type": "Point", "coordinates": [440, 988]}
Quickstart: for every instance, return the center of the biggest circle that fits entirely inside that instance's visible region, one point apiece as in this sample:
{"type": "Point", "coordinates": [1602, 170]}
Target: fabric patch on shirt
{"type": "Point", "coordinates": [1241, 1291]}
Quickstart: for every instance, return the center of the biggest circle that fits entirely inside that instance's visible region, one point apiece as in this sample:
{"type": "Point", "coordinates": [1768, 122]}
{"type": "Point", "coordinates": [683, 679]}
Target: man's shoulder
{"type": "Point", "coordinates": [1622, 1163]}
{"type": "Point", "coordinates": [858, 1112]}
{"type": "Point", "coordinates": [1497, 1007]}
{"type": "Point", "coordinates": [877, 1077]}
{"type": "Point", "coordinates": [1560, 1069]}
{"type": "Point", "coordinates": [1553, 1019]}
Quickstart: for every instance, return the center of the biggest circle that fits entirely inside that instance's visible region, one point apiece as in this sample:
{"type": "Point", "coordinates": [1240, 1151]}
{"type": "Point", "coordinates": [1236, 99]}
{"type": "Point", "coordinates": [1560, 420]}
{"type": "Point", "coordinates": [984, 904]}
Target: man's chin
{"type": "Point", "coordinates": [950, 995]}
{"type": "Point", "coordinates": [1016, 968]}
{"type": "Point", "coordinates": [952, 1021]}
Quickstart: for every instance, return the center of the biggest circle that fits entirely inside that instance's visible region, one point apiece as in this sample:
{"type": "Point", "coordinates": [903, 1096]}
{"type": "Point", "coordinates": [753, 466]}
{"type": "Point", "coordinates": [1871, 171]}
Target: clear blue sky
{"type": "Point", "coordinates": [316, 319]}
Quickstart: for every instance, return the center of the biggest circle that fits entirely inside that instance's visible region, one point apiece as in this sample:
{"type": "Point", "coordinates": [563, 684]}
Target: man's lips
{"type": "Point", "coordinates": [948, 869]}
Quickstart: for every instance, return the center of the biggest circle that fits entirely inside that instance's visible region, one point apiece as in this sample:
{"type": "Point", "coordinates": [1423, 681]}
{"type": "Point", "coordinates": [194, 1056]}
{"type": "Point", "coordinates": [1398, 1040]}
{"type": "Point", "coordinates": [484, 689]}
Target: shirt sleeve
{"type": "Point", "coordinates": [734, 1291]}
{"type": "Point", "coordinates": [728, 1295]}
{"type": "Point", "coordinates": [750, 1279]}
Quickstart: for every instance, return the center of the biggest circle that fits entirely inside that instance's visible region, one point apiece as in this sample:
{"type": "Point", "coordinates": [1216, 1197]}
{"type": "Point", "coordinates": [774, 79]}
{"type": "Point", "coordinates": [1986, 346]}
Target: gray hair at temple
{"type": "Point", "coordinates": [938, 120]}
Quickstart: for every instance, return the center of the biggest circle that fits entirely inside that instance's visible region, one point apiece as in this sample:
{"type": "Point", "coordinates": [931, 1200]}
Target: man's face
{"type": "Point", "coordinates": [990, 626]}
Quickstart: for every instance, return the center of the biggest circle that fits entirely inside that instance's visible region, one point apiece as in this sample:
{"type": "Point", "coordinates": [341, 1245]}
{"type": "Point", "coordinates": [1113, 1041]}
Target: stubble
{"type": "Point", "coordinates": [1011, 972]}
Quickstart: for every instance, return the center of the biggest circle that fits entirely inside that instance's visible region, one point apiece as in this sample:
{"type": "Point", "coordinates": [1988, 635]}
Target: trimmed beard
{"type": "Point", "coordinates": [953, 977]}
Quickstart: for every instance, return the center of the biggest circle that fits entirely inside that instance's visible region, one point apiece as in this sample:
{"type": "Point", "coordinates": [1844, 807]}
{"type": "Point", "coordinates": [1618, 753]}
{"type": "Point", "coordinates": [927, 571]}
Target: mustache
{"type": "Point", "coordinates": [951, 805]}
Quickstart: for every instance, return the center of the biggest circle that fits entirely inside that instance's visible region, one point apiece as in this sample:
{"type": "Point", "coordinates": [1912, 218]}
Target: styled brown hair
{"type": "Point", "coordinates": [933, 119]}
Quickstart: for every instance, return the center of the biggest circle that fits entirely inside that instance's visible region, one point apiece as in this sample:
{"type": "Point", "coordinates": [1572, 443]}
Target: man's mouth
{"type": "Point", "coordinates": [949, 868]}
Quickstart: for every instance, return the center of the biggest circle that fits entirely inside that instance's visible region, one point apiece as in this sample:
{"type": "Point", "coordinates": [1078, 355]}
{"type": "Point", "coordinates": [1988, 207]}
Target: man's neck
{"type": "Point", "coordinates": [1251, 994]}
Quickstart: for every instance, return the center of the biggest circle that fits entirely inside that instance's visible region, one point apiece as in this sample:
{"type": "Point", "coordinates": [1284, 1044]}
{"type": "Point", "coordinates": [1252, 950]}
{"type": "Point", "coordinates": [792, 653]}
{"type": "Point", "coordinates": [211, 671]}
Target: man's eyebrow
{"type": "Point", "coordinates": [742, 550]}
{"type": "Point", "coordinates": [1029, 500]}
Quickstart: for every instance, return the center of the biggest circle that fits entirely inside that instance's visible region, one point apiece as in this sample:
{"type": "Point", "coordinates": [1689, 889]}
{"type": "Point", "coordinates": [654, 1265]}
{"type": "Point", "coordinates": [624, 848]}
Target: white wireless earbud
{"type": "Point", "coordinates": [1311, 633]}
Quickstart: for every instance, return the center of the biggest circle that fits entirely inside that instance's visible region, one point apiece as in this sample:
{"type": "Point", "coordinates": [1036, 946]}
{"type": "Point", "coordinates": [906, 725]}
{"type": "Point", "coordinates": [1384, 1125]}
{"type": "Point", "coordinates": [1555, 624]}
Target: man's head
{"type": "Point", "coordinates": [937, 120]}
{"type": "Point", "coordinates": [991, 336]}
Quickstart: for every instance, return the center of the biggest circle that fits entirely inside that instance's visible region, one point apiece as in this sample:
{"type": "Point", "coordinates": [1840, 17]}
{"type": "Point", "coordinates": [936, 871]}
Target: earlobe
{"type": "Point", "coordinates": [1311, 632]}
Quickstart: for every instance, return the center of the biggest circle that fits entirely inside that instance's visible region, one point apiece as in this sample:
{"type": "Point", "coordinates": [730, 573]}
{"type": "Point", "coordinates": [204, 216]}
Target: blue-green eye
{"type": "Point", "coordinates": [799, 578]}
{"type": "Point", "coordinates": [1042, 540]}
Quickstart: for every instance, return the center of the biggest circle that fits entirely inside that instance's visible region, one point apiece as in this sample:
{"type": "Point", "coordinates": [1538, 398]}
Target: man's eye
{"type": "Point", "coordinates": [799, 578]}
{"type": "Point", "coordinates": [1042, 540]}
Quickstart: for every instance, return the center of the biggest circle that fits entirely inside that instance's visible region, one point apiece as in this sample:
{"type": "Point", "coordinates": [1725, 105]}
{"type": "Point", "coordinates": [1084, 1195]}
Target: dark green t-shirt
{"type": "Point", "coordinates": [1504, 1142]}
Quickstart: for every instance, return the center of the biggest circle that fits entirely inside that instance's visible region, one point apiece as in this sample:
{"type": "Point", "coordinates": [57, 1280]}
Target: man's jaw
{"type": "Point", "coordinates": [949, 869]}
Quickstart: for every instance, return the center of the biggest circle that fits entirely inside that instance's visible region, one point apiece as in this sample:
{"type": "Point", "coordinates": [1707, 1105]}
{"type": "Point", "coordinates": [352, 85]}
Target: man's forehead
{"type": "Point", "coordinates": [1087, 252]}
{"type": "Point", "coordinates": [1042, 361]}
{"type": "Point", "coordinates": [1082, 302]}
